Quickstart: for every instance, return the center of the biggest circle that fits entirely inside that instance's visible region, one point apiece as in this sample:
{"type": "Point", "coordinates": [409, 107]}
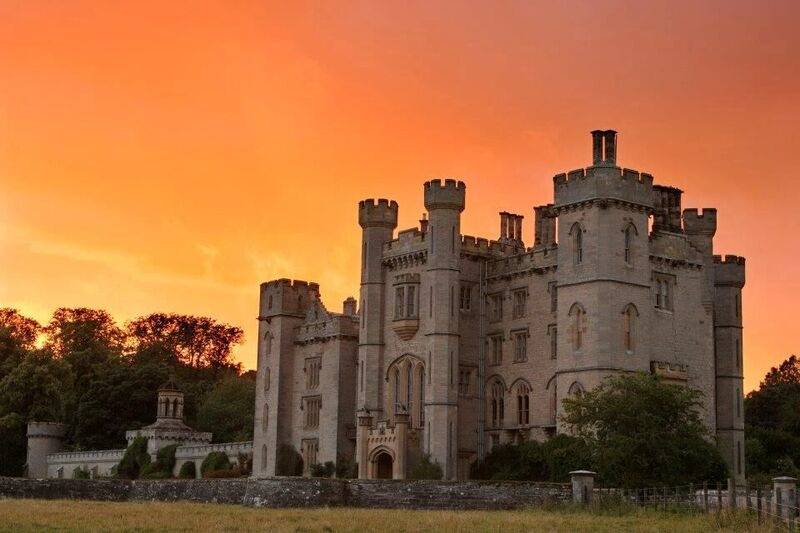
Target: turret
{"type": "Point", "coordinates": [170, 402]}
{"type": "Point", "coordinates": [445, 201]}
{"type": "Point", "coordinates": [729, 279]}
{"type": "Point", "coordinates": [700, 228]}
{"type": "Point", "coordinates": [378, 220]}
{"type": "Point", "coordinates": [44, 438]}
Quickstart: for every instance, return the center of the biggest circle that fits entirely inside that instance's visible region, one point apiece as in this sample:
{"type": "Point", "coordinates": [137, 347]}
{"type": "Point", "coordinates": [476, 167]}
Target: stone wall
{"type": "Point", "coordinates": [298, 492]}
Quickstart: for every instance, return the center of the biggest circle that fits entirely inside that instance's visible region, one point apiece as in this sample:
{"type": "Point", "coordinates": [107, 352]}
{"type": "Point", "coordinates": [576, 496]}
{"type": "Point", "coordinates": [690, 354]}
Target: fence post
{"type": "Point", "coordinates": [758, 503]}
{"type": "Point", "coordinates": [785, 488]}
{"type": "Point", "coordinates": [705, 495]}
{"type": "Point", "coordinates": [731, 493]}
{"type": "Point", "coordinates": [582, 486]}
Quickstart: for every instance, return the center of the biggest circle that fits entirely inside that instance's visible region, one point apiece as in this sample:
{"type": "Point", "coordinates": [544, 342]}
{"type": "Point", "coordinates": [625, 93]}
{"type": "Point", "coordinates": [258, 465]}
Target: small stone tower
{"type": "Point", "coordinates": [170, 402]}
{"type": "Point", "coordinates": [44, 438]}
{"type": "Point", "coordinates": [444, 201]}
{"type": "Point", "coordinates": [378, 220]}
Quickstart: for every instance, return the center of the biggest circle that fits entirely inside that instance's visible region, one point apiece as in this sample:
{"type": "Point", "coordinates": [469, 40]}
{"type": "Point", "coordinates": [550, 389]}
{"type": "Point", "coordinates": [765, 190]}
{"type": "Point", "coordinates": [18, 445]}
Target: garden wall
{"type": "Point", "coordinates": [297, 492]}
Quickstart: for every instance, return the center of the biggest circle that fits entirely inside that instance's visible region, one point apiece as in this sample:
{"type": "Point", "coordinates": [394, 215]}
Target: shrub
{"type": "Point", "coordinates": [245, 463]}
{"type": "Point", "coordinates": [188, 470]}
{"type": "Point", "coordinates": [134, 459]}
{"type": "Point", "coordinates": [426, 469]}
{"type": "Point", "coordinates": [288, 462]}
{"type": "Point", "coordinates": [163, 466]}
{"type": "Point", "coordinates": [226, 473]}
{"type": "Point", "coordinates": [215, 461]}
{"type": "Point", "coordinates": [345, 468]}
{"type": "Point", "coordinates": [80, 473]}
{"type": "Point", "coordinates": [323, 470]}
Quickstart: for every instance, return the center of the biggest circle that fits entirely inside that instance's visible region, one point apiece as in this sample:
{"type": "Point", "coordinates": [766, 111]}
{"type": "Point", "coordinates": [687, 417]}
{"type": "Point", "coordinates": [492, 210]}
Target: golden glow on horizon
{"type": "Point", "coordinates": [165, 157]}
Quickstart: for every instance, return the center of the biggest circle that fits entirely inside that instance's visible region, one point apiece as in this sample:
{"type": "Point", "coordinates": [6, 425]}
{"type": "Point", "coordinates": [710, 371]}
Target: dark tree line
{"type": "Point", "coordinates": [100, 378]}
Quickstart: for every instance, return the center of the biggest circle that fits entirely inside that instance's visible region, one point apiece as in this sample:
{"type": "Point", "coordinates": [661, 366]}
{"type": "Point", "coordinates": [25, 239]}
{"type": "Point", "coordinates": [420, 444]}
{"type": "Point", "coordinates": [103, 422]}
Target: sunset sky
{"type": "Point", "coordinates": [170, 156]}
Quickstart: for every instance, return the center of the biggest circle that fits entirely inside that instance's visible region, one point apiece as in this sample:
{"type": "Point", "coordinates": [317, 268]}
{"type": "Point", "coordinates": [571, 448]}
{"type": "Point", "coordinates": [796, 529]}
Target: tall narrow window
{"type": "Point", "coordinates": [466, 294]}
{"type": "Point", "coordinates": [523, 404]}
{"type": "Point", "coordinates": [520, 346]}
{"type": "Point", "coordinates": [497, 307]}
{"type": "Point", "coordinates": [520, 302]}
{"type": "Point", "coordinates": [497, 403]}
{"type": "Point", "coordinates": [552, 288]}
{"type": "Point", "coordinates": [628, 243]}
{"type": "Point", "coordinates": [497, 349]}
{"type": "Point", "coordinates": [552, 330]}
{"type": "Point", "coordinates": [662, 285]}
{"type": "Point", "coordinates": [421, 396]}
{"type": "Point", "coordinates": [265, 418]}
{"type": "Point", "coordinates": [578, 326]}
{"type": "Point", "coordinates": [410, 393]}
{"type": "Point", "coordinates": [399, 302]}
{"type": "Point", "coordinates": [628, 327]}
{"type": "Point", "coordinates": [577, 243]}
{"type": "Point", "coordinates": [396, 388]}
{"type": "Point", "coordinates": [411, 303]}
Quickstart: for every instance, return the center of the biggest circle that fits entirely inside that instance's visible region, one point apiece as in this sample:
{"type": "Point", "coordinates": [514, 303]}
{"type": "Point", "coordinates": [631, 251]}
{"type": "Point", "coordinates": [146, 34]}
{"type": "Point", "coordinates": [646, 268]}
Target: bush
{"type": "Point", "coordinates": [230, 472]}
{"type": "Point", "coordinates": [323, 470]}
{"type": "Point", "coordinates": [288, 462]}
{"type": "Point", "coordinates": [188, 470]}
{"type": "Point", "coordinates": [134, 459]}
{"type": "Point", "coordinates": [215, 461]}
{"type": "Point", "coordinates": [426, 469]}
{"type": "Point", "coordinates": [163, 466]}
{"type": "Point", "coordinates": [80, 473]}
{"type": "Point", "coordinates": [245, 464]}
{"type": "Point", "coordinates": [345, 468]}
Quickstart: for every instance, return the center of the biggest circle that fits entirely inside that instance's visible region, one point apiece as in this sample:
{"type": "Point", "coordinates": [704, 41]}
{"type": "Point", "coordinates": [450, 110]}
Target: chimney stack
{"type": "Point", "coordinates": [604, 147]}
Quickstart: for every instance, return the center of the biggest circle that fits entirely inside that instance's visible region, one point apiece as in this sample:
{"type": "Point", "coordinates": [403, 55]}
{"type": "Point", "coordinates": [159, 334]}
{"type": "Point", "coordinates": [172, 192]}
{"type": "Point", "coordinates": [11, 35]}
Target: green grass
{"type": "Point", "coordinates": [69, 515]}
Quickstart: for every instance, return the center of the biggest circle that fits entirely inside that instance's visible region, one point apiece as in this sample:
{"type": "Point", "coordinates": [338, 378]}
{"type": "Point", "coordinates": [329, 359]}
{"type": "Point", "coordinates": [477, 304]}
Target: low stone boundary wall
{"type": "Point", "coordinates": [298, 492]}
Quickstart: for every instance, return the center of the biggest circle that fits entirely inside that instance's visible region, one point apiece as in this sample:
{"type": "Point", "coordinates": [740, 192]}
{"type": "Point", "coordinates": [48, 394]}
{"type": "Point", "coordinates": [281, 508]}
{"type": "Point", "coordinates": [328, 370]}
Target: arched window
{"type": "Point", "coordinates": [630, 231]}
{"type": "Point", "coordinates": [629, 315]}
{"type": "Point", "coordinates": [578, 326]}
{"type": "Point", "coordinates": [523, 404]}
{"type": "Point", "coordinates": [577, 243]}
{"type": "Point", "coordinates": [406, 378]}
{"type": "Point", "coordinates": [498, 403]}
{"type": "Point", "coordinates": [576, 389]}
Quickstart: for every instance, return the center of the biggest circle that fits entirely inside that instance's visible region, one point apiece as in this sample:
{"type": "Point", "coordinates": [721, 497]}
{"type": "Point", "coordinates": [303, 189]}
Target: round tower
{"type": "Point", "coordinates": [444, 201]}
{"type": "Point", "coordinates": [44, 438]}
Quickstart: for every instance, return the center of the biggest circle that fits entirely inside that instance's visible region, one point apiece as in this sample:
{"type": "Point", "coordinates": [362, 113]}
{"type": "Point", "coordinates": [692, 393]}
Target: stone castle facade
{"type": "Point", "coordinates": [460, 343]}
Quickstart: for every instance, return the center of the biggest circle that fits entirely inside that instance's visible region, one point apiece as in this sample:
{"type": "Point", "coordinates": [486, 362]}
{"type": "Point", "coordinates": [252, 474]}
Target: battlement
{"type": "Point", "coordinates": [729, 271]}
{"type": "Point", "coordinates": [482, 246]}
{"type": "Point", "coordinates": [700, 223]}
{"type": "Point", "coordinates": [377, 213]}
{"type": "Point", "coordinates": [54, 430]}
{"type": "Point", "coordinates": [285, 296]}
{"type": "Point", "coordinates": [449, 194]}
{"type": "Point", "coordinates": [603, 182]}
{"type": "Point", "coordinates": [407, 240]}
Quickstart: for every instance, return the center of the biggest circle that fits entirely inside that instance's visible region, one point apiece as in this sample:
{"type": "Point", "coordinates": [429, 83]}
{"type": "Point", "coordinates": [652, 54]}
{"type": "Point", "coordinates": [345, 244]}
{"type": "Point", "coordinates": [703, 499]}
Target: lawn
{"type": "Point", "coordinates": [68, 515]}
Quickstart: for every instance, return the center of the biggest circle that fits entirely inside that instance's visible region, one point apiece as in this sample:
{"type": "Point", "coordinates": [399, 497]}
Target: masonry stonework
{"type": "Point", "coordinates": [462, 343]}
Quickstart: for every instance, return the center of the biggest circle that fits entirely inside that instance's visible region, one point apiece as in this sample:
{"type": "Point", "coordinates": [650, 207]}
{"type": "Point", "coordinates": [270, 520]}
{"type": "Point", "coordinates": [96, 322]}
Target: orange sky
{"type": "Point", "coordinates": [165, 157]}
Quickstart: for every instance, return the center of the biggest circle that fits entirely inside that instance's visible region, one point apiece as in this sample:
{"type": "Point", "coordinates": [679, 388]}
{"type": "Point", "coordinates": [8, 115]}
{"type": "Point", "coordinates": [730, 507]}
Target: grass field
{"type": "Point", "coordinates": [67, 515]}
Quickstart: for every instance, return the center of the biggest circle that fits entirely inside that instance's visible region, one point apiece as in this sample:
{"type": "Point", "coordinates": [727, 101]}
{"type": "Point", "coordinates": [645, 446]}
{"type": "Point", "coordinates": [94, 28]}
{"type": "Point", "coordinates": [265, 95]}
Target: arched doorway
{"type": "Point", "coordinates": [383, 466]}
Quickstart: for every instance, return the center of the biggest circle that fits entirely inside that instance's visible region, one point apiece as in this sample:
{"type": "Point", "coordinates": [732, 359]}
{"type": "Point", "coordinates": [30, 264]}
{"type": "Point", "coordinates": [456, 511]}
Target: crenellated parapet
{"type": "Point", "coordinates": [47, 430]}
{"type": "Point", "coordinates": [603, 183]}
{"type": "Point", "coordinates": [697, 222]}
{"type": "Point", "coordinates": [377, 213]}
{"type": "Point", "coordinates": [729, 271]}
{"type": "Point", "coordinates": [287, 297]}
{"type": "Point", "coordinates": [449, 194]}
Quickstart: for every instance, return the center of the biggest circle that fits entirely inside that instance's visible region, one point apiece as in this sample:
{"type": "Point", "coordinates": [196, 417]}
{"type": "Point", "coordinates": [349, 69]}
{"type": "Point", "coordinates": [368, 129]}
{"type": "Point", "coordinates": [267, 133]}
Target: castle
{"type": "Point", "coordinates": [460, 343]}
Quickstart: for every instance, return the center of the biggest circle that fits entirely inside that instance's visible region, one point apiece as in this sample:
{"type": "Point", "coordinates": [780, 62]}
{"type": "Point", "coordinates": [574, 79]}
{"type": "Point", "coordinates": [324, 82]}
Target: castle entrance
{"type": "Point", "coordinates": [383, 466]}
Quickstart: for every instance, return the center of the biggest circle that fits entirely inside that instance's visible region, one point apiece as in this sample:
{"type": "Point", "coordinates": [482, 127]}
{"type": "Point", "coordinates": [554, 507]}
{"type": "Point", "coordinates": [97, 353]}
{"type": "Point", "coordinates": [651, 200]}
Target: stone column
{"type": "Point", "coordinates": [784, 490]}
{"type": "Point", "coordinates": [401, 448]}
{"type": "Point", "coordinates": [362, 451]}
{"type": "Point", "coordinates": [582, 486]}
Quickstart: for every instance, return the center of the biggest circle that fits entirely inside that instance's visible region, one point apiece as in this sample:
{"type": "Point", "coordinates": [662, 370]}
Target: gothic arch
{"type": "Point", "coordinates": [576, 232]}
{"type": "Point", "coordinates": [629, 318]}
{"type": "Point", "coordinates": [576, 389]}
{"type": "Point", "coordinates": [405, 377]}
{"type": "Point", "coordinates": [577, 328]}
{"type": "Point", "coordinates": [496, 400]}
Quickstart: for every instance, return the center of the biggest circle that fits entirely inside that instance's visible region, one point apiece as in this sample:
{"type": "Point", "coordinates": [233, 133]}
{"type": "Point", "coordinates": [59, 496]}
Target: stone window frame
{"type": "Point", "coordinates": [578, 326]}
{"type": "Point", "coordinates": [465, 297]}
{"type": "Point", "coordinates": [663, 288]}
{"type": "Point", "coordinates": [496, 306]}
{"type": "Point", "coordinates": [552, 333]}
{"type": "Point", "coordinates": [629, 234]}
{"type": "Point", "coordinates": [630, 315]}
{"type": "Point", "coordinates": [520, 302]}
{"type": "Point", "coordinates": [516, 335]}
{"type": "Point", "coordinates": [523, 393]}
{"type": "Point", "coordinates": [406, 297]}
{"type": "Point", "coordinates": [576, 232]}
{"type": "Point", "coordinates": [496, 402]}
{"type": "Point", "coordinates": [495, 348]}
{"type": "Point", "coordinates": [312, 406]}
{"type": "Point", "coordinates": [312, 370]}
{"type": "Point", "coordinates": [552, 290]}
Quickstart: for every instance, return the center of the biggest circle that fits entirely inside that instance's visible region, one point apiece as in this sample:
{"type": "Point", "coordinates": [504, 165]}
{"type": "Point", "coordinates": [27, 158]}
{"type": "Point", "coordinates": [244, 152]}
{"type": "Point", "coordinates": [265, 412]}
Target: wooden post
{"type": "Point", "coordinates": [705, 495]}
{"type": "Point", "coordinates": [758, 503]}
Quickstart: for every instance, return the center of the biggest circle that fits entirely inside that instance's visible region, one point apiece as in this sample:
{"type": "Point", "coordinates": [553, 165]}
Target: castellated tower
{"type": "Point", "coordinates": [603, 269]}
{"type": "Point", "coordinates": [378, 221]}
{"type": "Point", "coordinates": [44, 438]}
{"type": "Point", "coordinates": [444, 202]}
{"type": "Point", "coordinates": [728, 284]}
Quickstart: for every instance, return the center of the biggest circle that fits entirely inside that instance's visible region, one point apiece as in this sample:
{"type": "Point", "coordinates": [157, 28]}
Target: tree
{"type": "Point", "coordinates": [18, 336]}
{"type": "Point", "coordinates": [193, 341]}
{"type": "Point", "coordinates": [134, 460]}
{"type": "Point", "coordinates": [644, 432]}
{"type": "Point", "coordinates": [772, 418]}
{"type": "Point", "coordinates": [228, 410]}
